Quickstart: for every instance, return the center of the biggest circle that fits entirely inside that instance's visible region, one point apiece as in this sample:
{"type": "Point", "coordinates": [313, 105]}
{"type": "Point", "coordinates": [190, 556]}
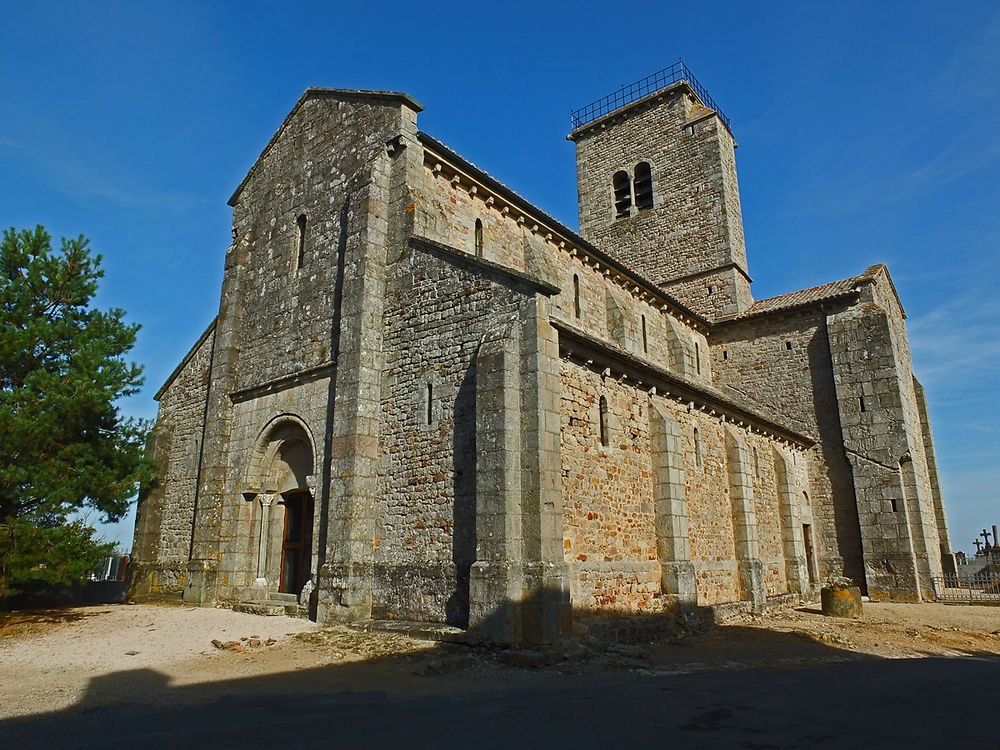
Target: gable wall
{"type": "Point", "coordinates": [323, 158]}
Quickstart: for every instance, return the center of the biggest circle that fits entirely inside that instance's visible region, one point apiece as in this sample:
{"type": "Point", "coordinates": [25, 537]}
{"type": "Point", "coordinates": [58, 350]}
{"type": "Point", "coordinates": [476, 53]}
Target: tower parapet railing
{"type": "Point", "coordinates": [632, 92]}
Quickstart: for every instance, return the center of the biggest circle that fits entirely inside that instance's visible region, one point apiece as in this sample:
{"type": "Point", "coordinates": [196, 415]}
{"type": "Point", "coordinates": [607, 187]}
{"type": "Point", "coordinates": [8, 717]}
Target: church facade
{"type": "Point", "coordinates": [425, 399]}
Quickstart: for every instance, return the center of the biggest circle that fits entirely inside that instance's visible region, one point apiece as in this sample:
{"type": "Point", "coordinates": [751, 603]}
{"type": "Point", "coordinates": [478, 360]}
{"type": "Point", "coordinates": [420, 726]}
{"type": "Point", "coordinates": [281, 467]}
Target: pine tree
{"type": "Point", "coordinates": [64, 445]}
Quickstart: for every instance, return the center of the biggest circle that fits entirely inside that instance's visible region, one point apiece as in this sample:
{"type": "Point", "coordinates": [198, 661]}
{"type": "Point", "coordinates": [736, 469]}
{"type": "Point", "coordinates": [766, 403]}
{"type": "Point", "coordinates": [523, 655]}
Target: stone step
{"type": "Point", "coordinates": [260, 608]}
{"type": "Point", "coordinates": [425, 631]}
{"type": "Point", "coordinates": [281, 597]}
{"type": "Point", "coordinates": [272, 607]}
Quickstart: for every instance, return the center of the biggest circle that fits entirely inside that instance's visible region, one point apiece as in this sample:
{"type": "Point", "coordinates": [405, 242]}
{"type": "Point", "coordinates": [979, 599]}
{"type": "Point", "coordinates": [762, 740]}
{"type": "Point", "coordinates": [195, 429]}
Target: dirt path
{"type": "Point", "coordinates": [56, 659]}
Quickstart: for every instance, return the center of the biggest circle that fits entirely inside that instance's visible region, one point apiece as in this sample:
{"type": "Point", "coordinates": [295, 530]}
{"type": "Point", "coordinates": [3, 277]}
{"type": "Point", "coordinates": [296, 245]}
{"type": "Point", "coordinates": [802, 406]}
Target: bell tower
{"type": "Point", "coordinates": [656, 181]}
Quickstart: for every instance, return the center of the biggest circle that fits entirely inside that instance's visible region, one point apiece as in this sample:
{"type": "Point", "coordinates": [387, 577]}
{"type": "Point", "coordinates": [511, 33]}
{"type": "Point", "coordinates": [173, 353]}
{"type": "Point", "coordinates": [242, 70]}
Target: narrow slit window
{"type": "Point", "coordinates": [725, 354]}
{"type": "Point", "coordinates": [300, 241]}
{"type": "Point", "coordinates": [604, 420]}
{"type": "Point", "coordinates": [576, 296]}
{"type": "Point", "coordinates": [430, 403]}
{"type": "Point", "coordinates": [643, 185]}
{"type": "Point", "coordinates": [697, 447]}
{"type": "Point", "coordinates": [645, 341]}
{"type": "Point", "coordinates": [861, 402]}
{"type": "Point", "coordinates": [788, 345]}
{"type": "Point", "coordinates": [807, 541]}
{"type": "Point", "coordinates": [895, 508]}
{"type": "Point", "coordinates": [697, 358]}
{"type": "Point", "coordinates": [478, 240]}
{"type": "Point", "coordinates": [623, 194]}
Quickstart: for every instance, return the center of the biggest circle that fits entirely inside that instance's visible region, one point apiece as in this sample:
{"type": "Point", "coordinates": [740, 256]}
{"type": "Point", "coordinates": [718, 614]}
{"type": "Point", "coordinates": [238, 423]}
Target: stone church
{"type": "Point", "coordinates": [425, 399]}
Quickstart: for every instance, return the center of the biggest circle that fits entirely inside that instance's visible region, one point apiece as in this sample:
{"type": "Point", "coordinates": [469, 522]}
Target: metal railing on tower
{"type": "Point", "coordinates": [632, 92]}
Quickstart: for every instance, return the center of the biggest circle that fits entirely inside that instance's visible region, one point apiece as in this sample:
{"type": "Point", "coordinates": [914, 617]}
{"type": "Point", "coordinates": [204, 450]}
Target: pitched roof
{"type": "Point", "coordinates": [803, 297]}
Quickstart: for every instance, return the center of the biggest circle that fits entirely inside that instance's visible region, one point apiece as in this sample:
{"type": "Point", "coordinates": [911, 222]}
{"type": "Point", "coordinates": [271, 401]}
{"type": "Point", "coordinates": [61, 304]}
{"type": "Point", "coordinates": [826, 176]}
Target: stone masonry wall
{"type": "Point", "coordinates": [308, 170]}
{"type": "Point", "coordinates": [280, 324]}
{"type": "Point", "coordinates": [768, 514]}
{"type": "Point", "coordinates": [924, 521]}
{"type": "Point", "coordinates": [782, 362]}
{"type": "Point", "coordinates": [446, 211]}
{"type": "Point", "coordinates": [165, 515]}
{"type": "Point", "coordinates": [695, 225]}
{"type": "Point", "coordinates": [610, 540]}
{"type": "Point", "coordinates": [439, 308]}
{"type": "Point", "coordinates": [883, 438]}
{"type": "Point", "coordinates": [608, 511]}
{"type": "Point", "coordinates": [944, 538]}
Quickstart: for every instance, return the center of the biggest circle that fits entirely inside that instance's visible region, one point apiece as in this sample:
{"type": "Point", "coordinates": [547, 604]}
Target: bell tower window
{"type": "Point", "coordinates": [643, 186]}
{"type": "Point", "coordinates": [623, 194]}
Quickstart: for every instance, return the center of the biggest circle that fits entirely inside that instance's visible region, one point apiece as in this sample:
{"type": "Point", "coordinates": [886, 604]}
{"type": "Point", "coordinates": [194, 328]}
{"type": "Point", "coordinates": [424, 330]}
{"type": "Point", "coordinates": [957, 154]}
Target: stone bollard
{"type": "Point", "coordinates": [841, 602]}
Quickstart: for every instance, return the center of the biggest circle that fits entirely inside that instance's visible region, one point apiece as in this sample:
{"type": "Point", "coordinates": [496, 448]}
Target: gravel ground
{"type": "Point", "coordinates": [48, 657]}
{"type": "Point", "coordinates": [55, 659]}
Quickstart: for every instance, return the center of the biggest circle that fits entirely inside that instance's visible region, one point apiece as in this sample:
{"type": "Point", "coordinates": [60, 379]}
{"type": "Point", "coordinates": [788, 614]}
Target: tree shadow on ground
{"type": "Point", "coordinates": [27, 620]}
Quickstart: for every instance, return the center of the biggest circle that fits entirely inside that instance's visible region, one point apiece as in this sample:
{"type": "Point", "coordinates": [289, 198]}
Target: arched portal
{"type": "Point", "coordinates": [280, 480]}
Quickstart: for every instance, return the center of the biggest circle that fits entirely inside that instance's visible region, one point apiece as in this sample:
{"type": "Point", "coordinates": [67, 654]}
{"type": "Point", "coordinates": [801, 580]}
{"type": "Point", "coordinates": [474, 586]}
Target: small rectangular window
{"type": "Point", "coordinates": [788, 345]}
{"type": "Point", "coordinates": [861, 402]}
{"type": "Point", "coordinates": [810, 563]}
{"type": "Point", "coordinates": [603, 420]}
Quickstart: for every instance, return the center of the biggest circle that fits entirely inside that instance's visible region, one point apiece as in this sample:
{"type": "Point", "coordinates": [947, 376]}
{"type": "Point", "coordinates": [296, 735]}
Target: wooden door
{"type": "Point", "coordinates": [296, 545]}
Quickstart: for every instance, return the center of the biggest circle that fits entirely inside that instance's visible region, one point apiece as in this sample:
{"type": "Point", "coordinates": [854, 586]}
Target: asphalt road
{"type": "Point", "coordinates": [912, 703]}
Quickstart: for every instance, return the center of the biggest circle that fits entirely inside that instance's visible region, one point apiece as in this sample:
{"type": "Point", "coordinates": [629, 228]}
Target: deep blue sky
{"type": "Point", "coordinates": [867, 132]}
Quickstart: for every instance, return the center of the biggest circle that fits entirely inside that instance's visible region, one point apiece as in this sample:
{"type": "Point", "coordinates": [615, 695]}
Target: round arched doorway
{"type": "Point", "coordinates": [281, 473]}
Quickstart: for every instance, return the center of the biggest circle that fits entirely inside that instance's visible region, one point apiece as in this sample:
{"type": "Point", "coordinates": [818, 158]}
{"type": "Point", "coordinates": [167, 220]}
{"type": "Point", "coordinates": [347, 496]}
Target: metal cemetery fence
{"type": "Point", "coordinates": [984, 586]}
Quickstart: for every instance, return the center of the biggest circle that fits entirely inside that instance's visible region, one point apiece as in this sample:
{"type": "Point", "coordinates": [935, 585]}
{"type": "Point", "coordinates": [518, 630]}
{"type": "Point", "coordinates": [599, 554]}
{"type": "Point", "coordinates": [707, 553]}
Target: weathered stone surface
{"type": "Point", "coordinates": [839, 602]}
{"type": "Point", "coordinates": [498, 427]}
